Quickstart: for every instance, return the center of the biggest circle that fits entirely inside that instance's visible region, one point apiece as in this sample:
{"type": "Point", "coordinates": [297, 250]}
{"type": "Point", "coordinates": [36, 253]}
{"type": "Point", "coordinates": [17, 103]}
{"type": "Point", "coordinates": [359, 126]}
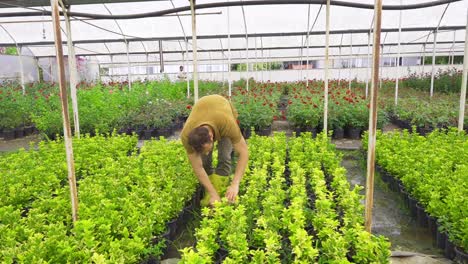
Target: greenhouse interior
{"type": "Point", "coordinates": [238, 131]}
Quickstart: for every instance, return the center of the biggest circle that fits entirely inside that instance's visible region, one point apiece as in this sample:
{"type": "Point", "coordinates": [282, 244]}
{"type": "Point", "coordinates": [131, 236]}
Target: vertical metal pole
{"type": "Point", "coordinates": [255, 66]}
{"type": "Point", "coordinates": [398, 58]}
{"type": "Point", "coordinates": [229, 52]}
{"type": "Point", "coordinates": [186, 68]}
{"type": "Point", "coordinates": [382, 66]}
{"type": "Point", "coordinates": [194, 48]}
{"type": "Point", "coordinates": [247, 60]}
{"type": "Point", "coordinates": [373, 116]}
{"type": "Point", "coordinates": [350, 60]}
{"type": "Point", "coordinates": [307, 40]}
{"type": "Point", "coordinates": [368, 64]}
{"type": "Point", "coordinates": [269, 64]}
{"type": "Point", "coordinates": [111, 69]}
{"type": "Point", "coordinates": [147, 66]}
{"type": "Point", "coordinates": [20, 57]}
{"type": "Point", "coordinates": [211, 66]}
{"type": "Point", "coordinates": [461, 116]}
{"type": "Point", "coordinates": [453, 47]}
{"type": "Point", "coordinates": [327, 44]}
{"type": "Point", "coordinates": [301, 51]}
{"type": "Point", "coordinates": [423, 58]}
{"type": "Point", "coordinates": [339, 59]}
{"type": "Point", "coordinates": [161, 57]}
{"type": "Point", "coordinates": [262, 59]}
{"type": "Point", "coordinates": [73, 75]}
{"type": "Point", "coordinates": [128, 65]}
{"type": "Point", "coordinates": [64, 100]}
{"type": "Point", "coordinates": [433, 63]}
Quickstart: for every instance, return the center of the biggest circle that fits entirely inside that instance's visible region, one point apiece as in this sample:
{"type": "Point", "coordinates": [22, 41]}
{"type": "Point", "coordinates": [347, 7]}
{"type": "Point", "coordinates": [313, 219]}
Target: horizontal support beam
{"type": "Point", "coordinates": [250, 35]}
{"type": "Point", "coordinates": [233, 3]}
{"type": "Point", "coordinates": [243, 49]}
{"type": "Point", "coordinates": [273, 59]}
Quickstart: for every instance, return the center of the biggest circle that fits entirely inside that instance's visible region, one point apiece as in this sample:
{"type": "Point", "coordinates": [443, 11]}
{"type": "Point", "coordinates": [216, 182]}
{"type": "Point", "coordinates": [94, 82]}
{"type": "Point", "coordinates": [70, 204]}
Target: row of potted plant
{"type": "Point", "coordinates": [336, 220]}
{"type": "Point", "coordinates": [434, 177]}
{"type": "Point", "coordinates": [125, 201]}
{"type": "Point", "coordinates": [289, 218]}
{"type": "Point", "coordinates": [102, 107]}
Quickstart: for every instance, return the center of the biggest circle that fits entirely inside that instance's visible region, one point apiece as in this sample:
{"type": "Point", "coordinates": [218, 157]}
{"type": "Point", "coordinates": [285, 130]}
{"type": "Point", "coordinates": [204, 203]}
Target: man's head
{"type": "Point", "coordinates": [201, 140]}
{"type": "Point", "coordinates": [181, 68]}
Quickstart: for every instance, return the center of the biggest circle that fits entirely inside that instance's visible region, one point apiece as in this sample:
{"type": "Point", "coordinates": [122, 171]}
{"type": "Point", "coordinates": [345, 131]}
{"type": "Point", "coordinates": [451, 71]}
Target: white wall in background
{"type": "Point", "coordinates": [10, 68]}
{"type": "Point", "coordinates": [88, 70]}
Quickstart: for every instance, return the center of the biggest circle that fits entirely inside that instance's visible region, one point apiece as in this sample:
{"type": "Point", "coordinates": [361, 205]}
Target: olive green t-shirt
{"type": "Point", "coordinates": [217, 112]}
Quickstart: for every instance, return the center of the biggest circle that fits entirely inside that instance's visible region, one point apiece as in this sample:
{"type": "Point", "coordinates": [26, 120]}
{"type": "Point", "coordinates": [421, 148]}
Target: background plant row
{"type": "Point", "coordinates": [158, 104]}
{"type": "Point", "coordinates": [125, 201]}
{"type": "Point", "coordinates": [290, 210]}
{"type": "Point", "coordinates": [434, 171]}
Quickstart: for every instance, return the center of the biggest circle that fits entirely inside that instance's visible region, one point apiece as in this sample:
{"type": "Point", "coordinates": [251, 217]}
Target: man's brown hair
{"type": "Point", "coordinates": [198, 137]}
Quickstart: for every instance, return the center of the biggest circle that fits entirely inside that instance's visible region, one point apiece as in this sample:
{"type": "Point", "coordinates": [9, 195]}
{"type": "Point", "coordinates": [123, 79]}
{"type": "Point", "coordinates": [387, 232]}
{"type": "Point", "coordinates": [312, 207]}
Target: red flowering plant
{"type": "Point", "coordinates": [305, 108]}
{"type": "Point", "coordinates": [256, 107]}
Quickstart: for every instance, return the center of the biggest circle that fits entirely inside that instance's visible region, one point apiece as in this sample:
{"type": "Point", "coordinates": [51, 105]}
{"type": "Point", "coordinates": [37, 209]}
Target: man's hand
{"type": "Point", "coordinates": [232, 192]}
{"type": "Point", "coordinates": [214, 197]}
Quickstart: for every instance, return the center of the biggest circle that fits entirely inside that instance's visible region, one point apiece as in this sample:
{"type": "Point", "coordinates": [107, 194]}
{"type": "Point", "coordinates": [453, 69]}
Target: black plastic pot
{"type": "Point", "coordinates": [412, 206]}
{"type": "Point", "coordinates": [148, 133]}
{"type": "Point", "coordinates": [263, 131]}
{"type": "Point", "coordinates": [440, 239]}
{"type": "Point", "coordinates": [19, 132]}
{"type": "Point", "coordinates": [385, 176]}
{"type": "Point", "coordinates": [461, 256]}
{"type": "Point", "coordinates": [404, 195]}
{"type": "Point", "coordinates": [338, 133]}
{"type": "Point", "coordinates": [221, 254]}
{"type": "Point", "coordinates": [164, 132]}
{"type": "Point", "coordinates": [449, 251]}
{"type": "Point", "coordinates": [28, 130]}
{"type": "Point", "coordinates": [354, 133]}
{"type": "Point", "coordinates": [8, 134]}
{"type": "Point", "coordinates": [122, 131]}
{"type": "Point", "coordinates": [246, 132]}
{"type": "Point", "coordinates": [432, 225]}
{"type": "Point", "coordinates": [421, 216]}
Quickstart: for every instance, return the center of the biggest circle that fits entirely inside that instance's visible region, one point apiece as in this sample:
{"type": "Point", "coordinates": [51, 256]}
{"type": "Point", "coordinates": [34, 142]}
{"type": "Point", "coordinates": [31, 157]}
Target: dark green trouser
{"type": "Point", "coordinates": [224, 159]}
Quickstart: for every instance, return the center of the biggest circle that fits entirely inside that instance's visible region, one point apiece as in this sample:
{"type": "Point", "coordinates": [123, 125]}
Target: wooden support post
{"type": "Point", "coordinates": [373, 116]}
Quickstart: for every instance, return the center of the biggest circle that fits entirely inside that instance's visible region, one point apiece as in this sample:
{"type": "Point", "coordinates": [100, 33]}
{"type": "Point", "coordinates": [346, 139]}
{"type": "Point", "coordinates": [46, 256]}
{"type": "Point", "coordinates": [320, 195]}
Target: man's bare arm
{"type": "Point", "coordinates": [242, 149]}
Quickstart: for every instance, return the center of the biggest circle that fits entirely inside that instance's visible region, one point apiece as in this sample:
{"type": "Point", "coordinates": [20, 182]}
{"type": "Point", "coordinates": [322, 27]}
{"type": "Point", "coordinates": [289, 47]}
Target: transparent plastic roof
{"type": "Point", "coordinates": [215, 24]}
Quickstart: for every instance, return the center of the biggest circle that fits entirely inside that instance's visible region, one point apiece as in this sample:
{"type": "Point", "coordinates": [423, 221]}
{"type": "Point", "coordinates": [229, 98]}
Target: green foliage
{"type": "Point", "coordinates": [297, 219]}
{"type": "Point", "coordinates": [125, 201]}
{"type": "Point", "coordinates": [434, 174]}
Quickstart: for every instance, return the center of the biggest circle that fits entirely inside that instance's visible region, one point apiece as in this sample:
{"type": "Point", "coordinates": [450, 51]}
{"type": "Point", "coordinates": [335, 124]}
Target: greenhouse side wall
{"type": "Point", "coordinates": [11, 68]}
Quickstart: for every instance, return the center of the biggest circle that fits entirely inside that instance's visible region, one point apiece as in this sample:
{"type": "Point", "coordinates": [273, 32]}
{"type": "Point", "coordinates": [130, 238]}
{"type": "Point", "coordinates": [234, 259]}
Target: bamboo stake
{"type": "Point", "coordinates": [373, 116]}
{"type": "Point", "coordinates": [66, 120]}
